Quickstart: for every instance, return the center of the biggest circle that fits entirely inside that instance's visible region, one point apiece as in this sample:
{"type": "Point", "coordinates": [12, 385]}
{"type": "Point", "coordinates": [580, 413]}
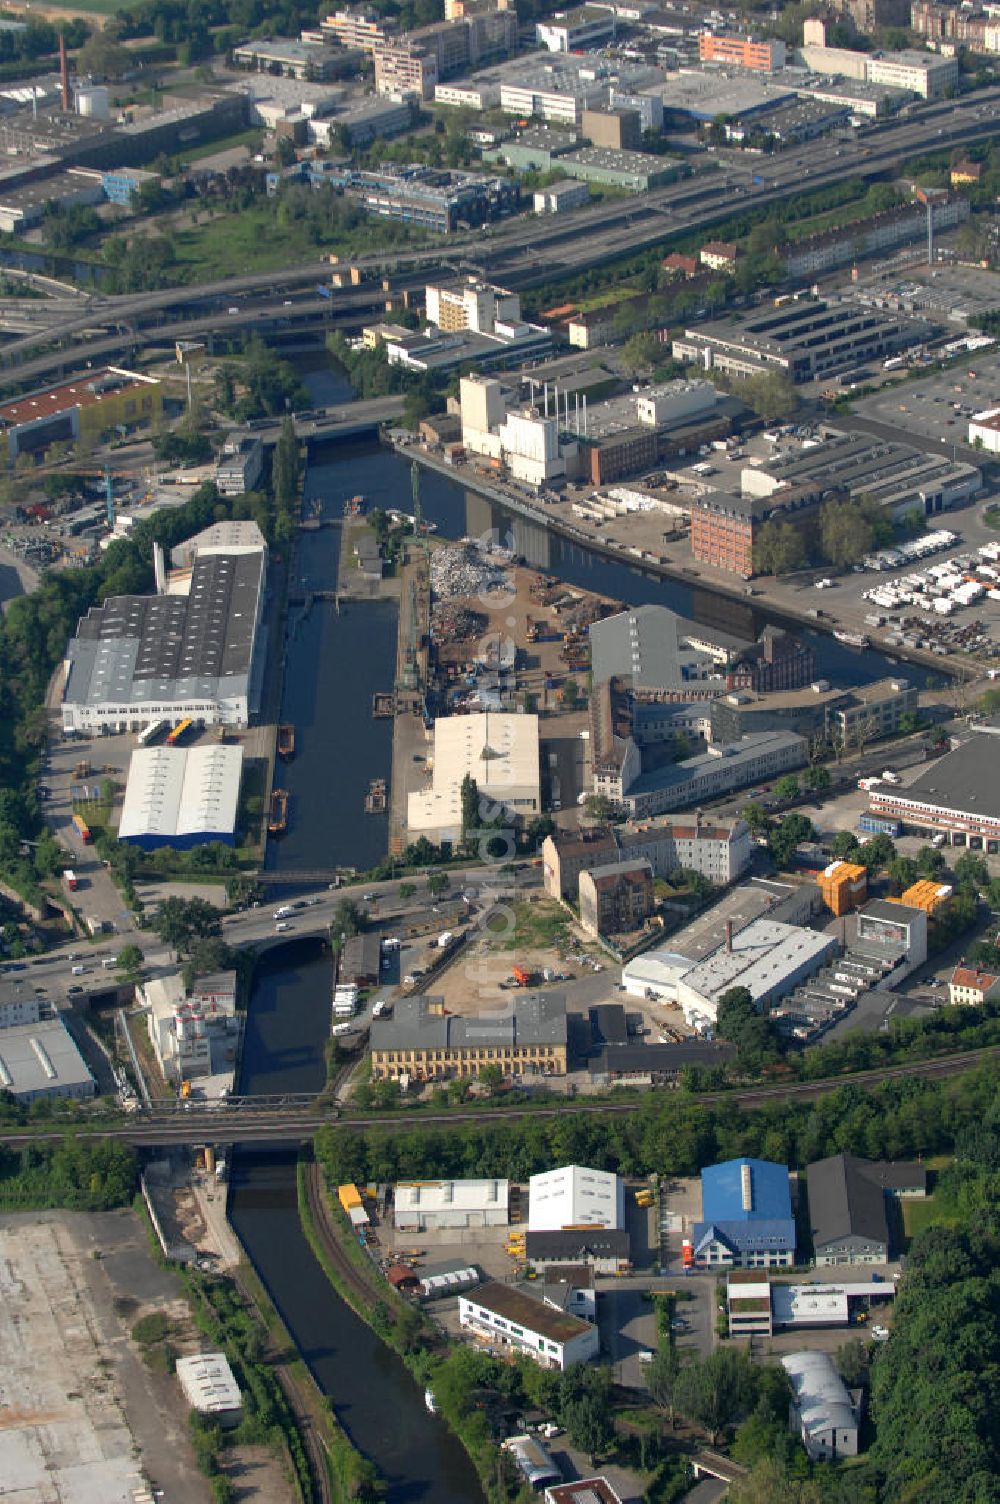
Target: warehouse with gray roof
{"type": "Point", "coordinates": [187, 652]}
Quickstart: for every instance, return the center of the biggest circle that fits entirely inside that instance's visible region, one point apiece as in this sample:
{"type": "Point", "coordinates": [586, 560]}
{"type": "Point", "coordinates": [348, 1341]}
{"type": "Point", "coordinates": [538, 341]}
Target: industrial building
{"type": "Point", "coordinates": [293, 59]}
{"type": "Point", "coordinates": [240, 464]}
{"type": "Point", "coordinates": [984, 430]}
{"type": "Point", "coordinates": [426, 1205]}
{"type": "Point", "coordinates": [497, 749]}
{"type": "Point", "coordinates": [534, 149]}
{"type": "Point", "coordinates": [849, 1206]}
{"type": "Point", "coordinates": [194, 1036]}
{"type": "Point", "coordinates": [825, 1413]}
{"type": "Point", "coordinates": [616, 898]}
{"type": "Point", "coordinates": [959, 796]}
{"type": "Point", "coordinates": [576, 30]}
{"type": "Point", "coordinates": [85, 410]}
{"type": "Point", "coordinates": [725, 766]}
{"type": "Point", "coordinates": [618, 129]}
{"type": "Point", "coordinates": [804, 340]}
{"type": "Point", "coordinates": [574, 1198]}
{"type": "Point", "coordinates": [39, 1061]}
{"type": "Point", "coordinates": [757, 55]}
{"type": "Point", "coordinates": [24, 204]}
{"type": "Point", "coordinates": [560, 197]}
{"type": "Point", "coordinates": [606, 1250]}
{"type": "Point", "coordinates": [210, 1388]}
{"type": "Point", "coordinates": [360, 959]}
{"type": "Point", "coordinates": [423, 1042]}
{"type": "Point", "coordinates": [434, 197]}
{"type": "Point", "coordinates": [21, 1004]}
{"type": "Point", "coordinates": [895, 930]}
{"type": "Point", "coordinates": [719, 849]}
{"type": "Point", "coordinates": [635, 171]}
{"type": "Point", "coordinates": [746, 1212]}
{"type": "Point", "coordinates": [507, 1318]}
{"type": "Point", "coordinates": [923, 73]}
{"type": "Point", "coordinates": [181, 796]}
{"type": "Point", "coordinates": [754, 938]}
{"type": "Point", "coordinates": [873, 236]}
{"type": "Point", "coordinates": [759, 1307]}
{"type": "Point", "coordinates": [896, 477]}
{"type": "Point", "coordinates": [649, 646]}
{"type": "Point", "coordinates": [186, 653]}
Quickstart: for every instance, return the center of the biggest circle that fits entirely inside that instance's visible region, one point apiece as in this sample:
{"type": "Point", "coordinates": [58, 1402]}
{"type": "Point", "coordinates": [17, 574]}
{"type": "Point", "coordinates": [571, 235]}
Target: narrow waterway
{"type": "Point", "coordinates": [375, 1399]}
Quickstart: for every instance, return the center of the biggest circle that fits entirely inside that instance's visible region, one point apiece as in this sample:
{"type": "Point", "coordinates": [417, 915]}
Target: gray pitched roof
{"type": "Point", "coordinates": [847, 1196]}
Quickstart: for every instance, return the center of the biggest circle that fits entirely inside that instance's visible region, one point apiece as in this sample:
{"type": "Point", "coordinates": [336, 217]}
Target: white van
{"type": "Point", "coordinates": [281, 926]}
{"type": "Point", "coordinates": [77, 971]}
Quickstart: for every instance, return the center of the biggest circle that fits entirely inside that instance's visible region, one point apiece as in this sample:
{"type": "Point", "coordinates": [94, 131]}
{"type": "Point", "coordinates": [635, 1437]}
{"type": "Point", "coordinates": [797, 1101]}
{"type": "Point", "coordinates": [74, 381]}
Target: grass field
{"type": "Point", "coordinates": [536, 925]}
{"type": "Point", "coordinates": [920, 1214]}
{"type": "Point", "coordinates": [253, 241]}
{"type": "Point", "coordinates": [81, 7]}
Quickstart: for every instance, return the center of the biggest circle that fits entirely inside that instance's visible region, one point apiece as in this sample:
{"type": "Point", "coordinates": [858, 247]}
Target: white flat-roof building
{"type": "Point", "coordinates": [422, 1205]}
{"type": "Point", "coordinates": [499, 750]}
{"type": "Point", "coordinates": [984, 430]}
{"type": "Point", "coordinates": [181, 796]}
{"type": "Point", "coordinates": [823, 1411]}
{"type": "Point", "coordinates": [197, 1036]}
{"type": "Point", "coordinates": [40, 1060]}
{"type": "Point", "coordinates": [210, 1388]}
{"type": "Point", "coordinates": [508, 1318]}
{"type": "Point", "coordinates": [573, 1196]}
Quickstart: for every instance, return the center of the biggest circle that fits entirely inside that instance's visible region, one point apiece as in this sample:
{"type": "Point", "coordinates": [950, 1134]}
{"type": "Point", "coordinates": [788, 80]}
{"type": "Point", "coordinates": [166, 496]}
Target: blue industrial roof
{"type": "Point", "coordinates": [722, 1192]}
{"type": "Point", "coordinates": [770, 1234]}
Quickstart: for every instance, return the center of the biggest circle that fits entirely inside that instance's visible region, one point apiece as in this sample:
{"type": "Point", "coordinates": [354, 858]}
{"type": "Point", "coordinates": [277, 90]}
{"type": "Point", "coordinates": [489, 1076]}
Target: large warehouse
{"type": "Point", "coordinates": [958, 796]}
{"type": "Point", "coordinates": [181, 796]}
{"type": "Point", "coordinates": [497, 749]}
{"type": "Point", "coordinates": [423, 1205]}
{"type": "Point", "coordinates": [575, 1197]}
{"type": "Point", "coordinates": [40, 1060]}
{"type": "Point", "coordinates": [187, 652]}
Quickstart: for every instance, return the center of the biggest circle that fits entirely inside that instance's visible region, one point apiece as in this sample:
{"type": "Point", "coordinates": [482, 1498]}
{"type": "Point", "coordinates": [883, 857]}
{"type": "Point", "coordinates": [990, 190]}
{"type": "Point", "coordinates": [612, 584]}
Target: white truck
{"type": "Point", "coordinates": [889, 775]}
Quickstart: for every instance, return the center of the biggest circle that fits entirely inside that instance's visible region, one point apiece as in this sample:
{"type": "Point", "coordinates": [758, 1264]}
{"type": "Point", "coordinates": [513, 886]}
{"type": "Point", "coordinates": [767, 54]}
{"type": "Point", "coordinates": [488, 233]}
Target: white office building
{"type": "Point", "coordinates": [575, 1197]}
{"type": "Point", "coordinates": [505, 1317]}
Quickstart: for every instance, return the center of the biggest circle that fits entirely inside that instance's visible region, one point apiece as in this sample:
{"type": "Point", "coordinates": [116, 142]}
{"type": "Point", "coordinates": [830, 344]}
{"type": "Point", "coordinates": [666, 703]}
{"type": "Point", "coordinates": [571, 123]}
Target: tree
{"type": "Point", "coordinates": [285, 466]}
{"type": "Point", "coordinates": [877, 852]}
{"type": "Point", "coordinates": [971, 871]}
{"type": "Point", "coordinates": [780, 549]}
{"type": "Point", "coordinates": [103, 55]}
{"type": "Point", "coordinates": [714, 1391]}
{"type": "Point", "coordinates": [179, 921]}
{"type": "Point", "coordinates": [470, 803]}
{"type": "Point", "coordinates": [755, 816]}
{"type": "Point", "coordinates": [662, 1375]}
{"type": "Point", "coordinates": [438, 883]}
{"type": "Point", "coordinates": [599, 807]}
{"type": "Point", "coordinates": [816, 778]}
{"type": "Point", "coordinates": [349, 918]}
{"type": "Point", "coordinates": [930, 863]}
{"type": "Point", "coordinates": [130, 960]}
{"type": "Point", "coordinates": [846, 533]}
{"type": "Point", "coordinates": [585, 1410]}
{"type": "Point", "coordinates": [638, 353]}
{"type": "Point", "coordinates": [787, 836]}
{"type": "Point", "coordinates": [902, 871]}
{"type": "Point", "coordinates": [786, 788]}
{"type": "Point", "coordinates": [570, 694]}
{"type": "Point", "coordinates": [407, 890]}
{"type": "Point", "coordinates": [771, 395]}
{"type": "Point", "coordinates": [739, 1022]}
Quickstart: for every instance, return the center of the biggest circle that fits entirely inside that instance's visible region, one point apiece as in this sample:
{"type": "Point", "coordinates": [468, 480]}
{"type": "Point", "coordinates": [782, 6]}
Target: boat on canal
{"type": "Point", "coordinates": [277, 820]}
{"type": "Point", "coordinates": [430, 1402]}
{"type": "Point", "coordinates": [355, 506]}
{"type": "Point", "coordinates": [286, 742]}
{"type": "Point", "coordinates": [375, 799]}
{"type": "Point", "coordinates": [852, 639]}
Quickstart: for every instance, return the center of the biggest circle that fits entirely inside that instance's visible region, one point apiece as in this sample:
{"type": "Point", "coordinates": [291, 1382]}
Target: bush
{"type": "Point", "coordinates": [152, 1328]}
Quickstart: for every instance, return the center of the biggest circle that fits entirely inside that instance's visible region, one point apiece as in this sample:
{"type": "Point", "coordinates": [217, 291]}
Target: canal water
{"type": "Point", "coordinates": [376, 1400]}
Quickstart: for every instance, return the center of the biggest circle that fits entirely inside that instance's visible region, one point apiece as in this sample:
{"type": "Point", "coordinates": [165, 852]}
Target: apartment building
{"type": "Point", "coordinates": [405, 67]}
{"type": "Point", "coordinates": [720, 850]}
{"type": "Point", "coordinates": [355, 27]}
{"type": "Point", "coordinates": [478, 306]}
{"type": "Point", "coordinates": [906, 225]}
{"type": "Point", "coordinates": [616, 898]}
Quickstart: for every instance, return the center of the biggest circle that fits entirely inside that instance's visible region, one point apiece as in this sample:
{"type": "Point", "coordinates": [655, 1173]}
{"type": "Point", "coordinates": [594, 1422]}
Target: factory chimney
{"type": "Point", "coordinates": [64, 73]}
{"type": "Point", "coordinates": [729, 934]}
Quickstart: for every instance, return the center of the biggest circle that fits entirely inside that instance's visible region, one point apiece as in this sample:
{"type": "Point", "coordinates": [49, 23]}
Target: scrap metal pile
{"type": "Point", "coordinates": [464, 569]}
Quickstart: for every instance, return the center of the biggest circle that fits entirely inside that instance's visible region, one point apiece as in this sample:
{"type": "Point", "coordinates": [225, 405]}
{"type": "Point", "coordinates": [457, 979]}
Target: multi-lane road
{"type": "Point", "coordinates": [522, 252]}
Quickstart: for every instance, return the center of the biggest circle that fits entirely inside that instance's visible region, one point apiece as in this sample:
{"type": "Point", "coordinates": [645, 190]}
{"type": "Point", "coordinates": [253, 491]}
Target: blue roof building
{"type": "Point", "coordinates": [747, 1220]}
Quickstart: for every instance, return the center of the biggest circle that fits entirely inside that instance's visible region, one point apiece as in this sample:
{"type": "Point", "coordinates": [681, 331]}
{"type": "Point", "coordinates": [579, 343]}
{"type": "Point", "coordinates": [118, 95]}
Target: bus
{"type": "Point", "coordinates": [82, 829]}
{"type": "Point", "coordinates": [179, 731]}
{"type": "Point", "coordinates": [151, 733]}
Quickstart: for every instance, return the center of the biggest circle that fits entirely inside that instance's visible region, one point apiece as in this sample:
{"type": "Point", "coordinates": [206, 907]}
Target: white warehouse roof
{"type": "Point", "coordinates": [451, 1195]}
{"type": "Point", "coordinates": [182, 792]}
{"type": "Point", "coordinates": [821, 1396]}
{"type": "Point", "coordinates": [208, 1383]}
{"type": "Point", "coordinates": [574, 1197]}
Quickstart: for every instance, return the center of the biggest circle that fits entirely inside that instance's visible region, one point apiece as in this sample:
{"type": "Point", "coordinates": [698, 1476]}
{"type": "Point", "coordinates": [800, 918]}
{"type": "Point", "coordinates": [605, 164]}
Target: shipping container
{"type": "Point", "coordinates": [82, 829]}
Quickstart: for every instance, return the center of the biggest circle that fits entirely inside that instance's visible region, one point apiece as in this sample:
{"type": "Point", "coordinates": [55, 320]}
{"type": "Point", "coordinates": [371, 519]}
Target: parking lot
{"type": "Point", "coordinates": [940, 405]}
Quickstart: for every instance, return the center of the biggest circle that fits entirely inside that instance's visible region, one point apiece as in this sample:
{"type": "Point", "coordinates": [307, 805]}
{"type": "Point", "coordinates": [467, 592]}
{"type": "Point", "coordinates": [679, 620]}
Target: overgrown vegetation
{"type": "Point", "coordinates": [80, 1174]}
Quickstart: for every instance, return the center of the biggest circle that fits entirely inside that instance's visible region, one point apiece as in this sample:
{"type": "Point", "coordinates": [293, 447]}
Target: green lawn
{"type": "Point", "coordinates": [535, 925]}
{"type": "Point", "coordinates": [99, 7]}
{"type": "Point", "coordinates": [919, 1214]}
{"type": "Point", "coordinates": [253, 241]}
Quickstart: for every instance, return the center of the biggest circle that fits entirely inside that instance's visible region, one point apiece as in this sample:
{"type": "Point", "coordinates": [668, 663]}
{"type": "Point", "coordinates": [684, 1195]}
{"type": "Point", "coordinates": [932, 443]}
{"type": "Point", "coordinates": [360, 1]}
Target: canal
{"type": "Point", "coordinates": [376, 1400]}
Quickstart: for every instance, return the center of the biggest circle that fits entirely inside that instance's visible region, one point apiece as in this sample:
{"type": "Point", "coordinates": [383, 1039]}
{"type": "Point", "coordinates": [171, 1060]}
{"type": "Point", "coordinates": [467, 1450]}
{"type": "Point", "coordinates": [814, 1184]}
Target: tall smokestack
{"type": "Point", "coordinates": [64, 72]}
{"type": "Point", "coordinates": [729, 934]}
